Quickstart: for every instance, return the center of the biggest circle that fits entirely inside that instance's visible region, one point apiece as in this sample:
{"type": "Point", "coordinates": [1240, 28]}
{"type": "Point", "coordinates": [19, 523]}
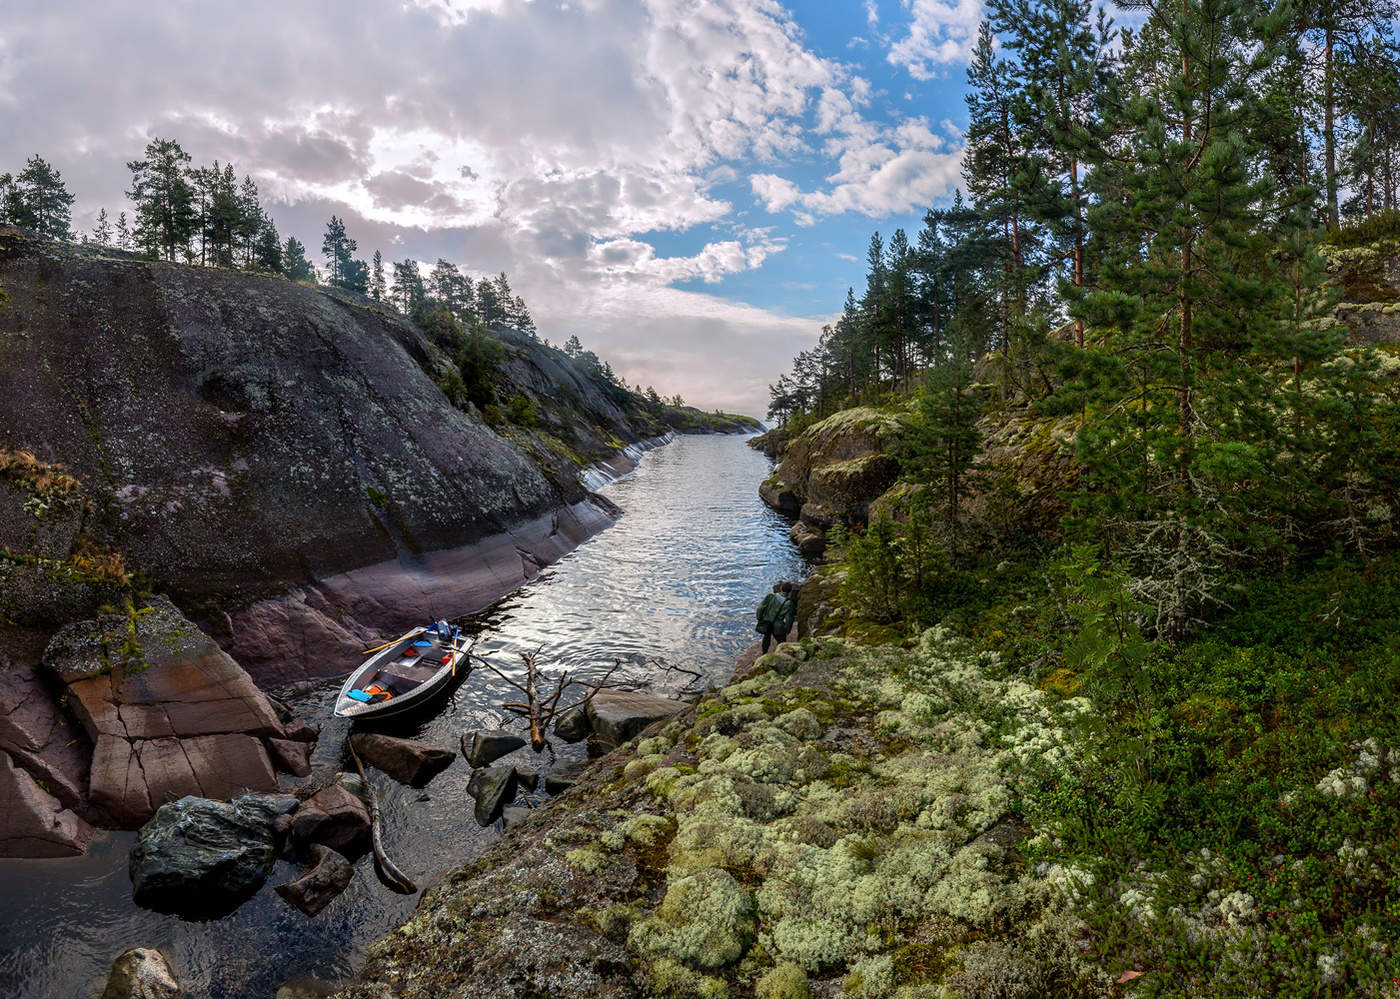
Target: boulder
{"type": "Point", "coordinates": [572, 725]}
{"type": "Point", "coordinates": [485, 747]}
{"type": "Point", "coordinates": [333, 817]}
{"type": "Point", "coordinates": [202, 858]}
{"type": "Point", "coordinates": [141, 973]}
{"type": "Point", "coordinates": [33, 823]}
{"type": "Point", "coordinates": [301, 731]}
{"type": "Point", "coordinates": [618, 715]}
{"type": "Point", "coordinates": [408, 761]}
{"type": "Point", "coordinates": [563, 778]}
{"type": "Point", "coordinates": [527, 778]}
{"type": "Point", "coordinates": [513, 815]}
{"type": "Point", "coordinates": [315, 889]}
{"type": "Point", "coordinates": [495, 788]}
{"type": "Point", "coordinates": [170, 715]}
{"type": "Point", "coordinates": [291, 756]}
{"type": "Point", "coordinates": [40, 738]}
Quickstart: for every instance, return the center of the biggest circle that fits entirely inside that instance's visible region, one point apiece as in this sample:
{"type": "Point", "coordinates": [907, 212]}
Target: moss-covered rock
{"type": "Point", "coordinates": [706, 920]}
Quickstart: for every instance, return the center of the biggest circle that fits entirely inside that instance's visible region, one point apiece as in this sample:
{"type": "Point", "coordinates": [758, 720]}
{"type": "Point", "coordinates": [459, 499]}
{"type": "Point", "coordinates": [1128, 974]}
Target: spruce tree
{"type": "Point", "coordinates": [294, 262]}
{"type": "Point", "coordinates": [377, 287]}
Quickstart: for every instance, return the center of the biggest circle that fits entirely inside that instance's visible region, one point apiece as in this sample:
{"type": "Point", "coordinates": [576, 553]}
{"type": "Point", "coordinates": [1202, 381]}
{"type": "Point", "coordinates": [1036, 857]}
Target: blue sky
{"type": "Point", "coordinates": [682, 183]}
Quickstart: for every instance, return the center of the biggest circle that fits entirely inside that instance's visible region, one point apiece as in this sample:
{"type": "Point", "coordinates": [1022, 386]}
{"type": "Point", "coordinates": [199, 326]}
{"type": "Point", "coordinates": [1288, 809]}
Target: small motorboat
{"type": "Point", "coordinates": [402, 675]}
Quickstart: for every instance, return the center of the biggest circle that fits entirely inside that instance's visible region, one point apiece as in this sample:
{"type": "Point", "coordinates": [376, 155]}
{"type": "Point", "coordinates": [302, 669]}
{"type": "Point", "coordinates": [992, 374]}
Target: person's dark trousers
{"type": "Point", "coordinates": [767, 637]}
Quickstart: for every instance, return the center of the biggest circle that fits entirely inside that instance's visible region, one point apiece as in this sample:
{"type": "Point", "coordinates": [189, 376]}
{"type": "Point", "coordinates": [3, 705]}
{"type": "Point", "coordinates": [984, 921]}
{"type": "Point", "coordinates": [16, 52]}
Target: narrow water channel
{"type": "Point", "coordinates": [672, 584]}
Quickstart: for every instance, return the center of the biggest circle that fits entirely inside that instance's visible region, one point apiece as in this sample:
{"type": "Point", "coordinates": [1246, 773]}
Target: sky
{"type": "Point", "coordinates": [687, 185]}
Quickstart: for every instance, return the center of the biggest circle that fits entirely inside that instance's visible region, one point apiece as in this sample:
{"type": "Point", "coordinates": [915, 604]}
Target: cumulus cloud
{"type": "Point", "coordinates": [940, 32]}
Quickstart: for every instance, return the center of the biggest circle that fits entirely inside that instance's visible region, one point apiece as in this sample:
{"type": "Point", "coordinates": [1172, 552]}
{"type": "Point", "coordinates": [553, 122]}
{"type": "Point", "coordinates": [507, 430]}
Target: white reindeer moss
{"type": "Point", "coordinates": [849, 845]}
{"type": "Point", "coordinates": [706, 921]}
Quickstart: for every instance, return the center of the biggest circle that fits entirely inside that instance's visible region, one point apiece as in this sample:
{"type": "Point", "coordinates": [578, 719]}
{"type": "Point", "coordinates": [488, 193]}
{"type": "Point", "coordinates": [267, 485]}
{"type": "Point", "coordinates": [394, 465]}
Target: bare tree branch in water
{"type": "Point", "coordinates": [541, 712]}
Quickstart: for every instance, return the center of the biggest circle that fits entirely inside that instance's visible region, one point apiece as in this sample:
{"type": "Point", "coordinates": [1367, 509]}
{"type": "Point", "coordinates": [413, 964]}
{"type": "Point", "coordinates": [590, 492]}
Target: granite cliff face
{"type": "Point", "coordinates": [237, 433]}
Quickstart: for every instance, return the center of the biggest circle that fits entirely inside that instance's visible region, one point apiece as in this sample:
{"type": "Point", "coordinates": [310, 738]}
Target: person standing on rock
{"type": "Point", "coordinates": [776, 614]}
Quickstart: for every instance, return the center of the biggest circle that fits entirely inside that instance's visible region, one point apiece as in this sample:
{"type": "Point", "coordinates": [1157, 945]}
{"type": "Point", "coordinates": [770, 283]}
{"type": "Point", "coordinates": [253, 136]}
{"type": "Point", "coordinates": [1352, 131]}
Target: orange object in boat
{"type": "Point", "coordinates": [377, 689]}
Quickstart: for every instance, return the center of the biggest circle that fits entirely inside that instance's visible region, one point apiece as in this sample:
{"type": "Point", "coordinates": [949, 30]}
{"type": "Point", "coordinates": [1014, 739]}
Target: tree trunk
{"type": "Point", "coordinates": [1329, 137]}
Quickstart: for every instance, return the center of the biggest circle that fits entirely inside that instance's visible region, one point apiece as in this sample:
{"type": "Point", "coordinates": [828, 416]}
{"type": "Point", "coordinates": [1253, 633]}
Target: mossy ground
{"type": "Point", "coordinates": [843, 821]}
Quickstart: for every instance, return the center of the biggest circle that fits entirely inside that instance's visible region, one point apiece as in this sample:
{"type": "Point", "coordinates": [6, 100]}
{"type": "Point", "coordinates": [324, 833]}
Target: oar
{"type": "Point", "coordinates": [381, 648]}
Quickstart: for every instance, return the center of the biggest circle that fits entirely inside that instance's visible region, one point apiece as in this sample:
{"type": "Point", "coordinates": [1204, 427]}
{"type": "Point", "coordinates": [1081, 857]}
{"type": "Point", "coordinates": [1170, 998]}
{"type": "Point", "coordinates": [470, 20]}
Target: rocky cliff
{"type": "Point", "coordinates": [282, 463]}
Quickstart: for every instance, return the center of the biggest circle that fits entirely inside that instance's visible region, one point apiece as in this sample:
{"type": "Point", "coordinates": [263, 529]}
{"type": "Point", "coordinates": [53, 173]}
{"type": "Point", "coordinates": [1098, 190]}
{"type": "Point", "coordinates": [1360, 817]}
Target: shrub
{"type": "Point", "coordinates": [522, 411]}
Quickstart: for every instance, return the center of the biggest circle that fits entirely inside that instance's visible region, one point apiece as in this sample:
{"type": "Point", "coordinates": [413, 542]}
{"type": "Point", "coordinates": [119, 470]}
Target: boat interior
{"type": "Point", "coordinates": [412, 663]}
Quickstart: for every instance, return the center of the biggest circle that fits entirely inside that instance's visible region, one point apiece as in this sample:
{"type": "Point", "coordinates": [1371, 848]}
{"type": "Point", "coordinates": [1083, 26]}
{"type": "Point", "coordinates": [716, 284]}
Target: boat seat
{"type": "Point", "coordinates": [411, 671]}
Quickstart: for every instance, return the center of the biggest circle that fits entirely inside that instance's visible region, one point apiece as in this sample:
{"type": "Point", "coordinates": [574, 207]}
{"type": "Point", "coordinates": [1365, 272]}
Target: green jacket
{"type": "Point", "coordinates": [770, 607]}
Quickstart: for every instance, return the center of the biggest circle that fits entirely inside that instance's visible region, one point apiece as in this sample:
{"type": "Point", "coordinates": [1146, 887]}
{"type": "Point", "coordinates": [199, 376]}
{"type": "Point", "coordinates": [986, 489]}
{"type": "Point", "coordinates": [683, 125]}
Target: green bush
{"type": "Point", "coordinates": [522, 411]}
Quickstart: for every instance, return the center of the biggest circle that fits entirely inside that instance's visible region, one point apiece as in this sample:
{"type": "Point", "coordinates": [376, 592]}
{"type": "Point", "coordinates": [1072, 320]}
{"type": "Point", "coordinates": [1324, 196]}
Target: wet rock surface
{"type": "Point", "coordinates": [486, 747]}
{"type": "Point", "coordinates": [202, 858]}
{"type": "Point", "coordinates": [408, 761]}
{"type": "Point", "coordinates": [573, 725]}
{"type": "Point", "coordinates": [329, 875]}
{"type": "Point", "coordinates": [493, 788]}
{"type": "Point", "coordinates": [141, 973]}
{"type": "Point", "coordinates": [333, 817]}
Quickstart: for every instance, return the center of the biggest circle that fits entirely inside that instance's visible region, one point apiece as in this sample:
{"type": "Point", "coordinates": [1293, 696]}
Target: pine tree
{"type": "Point", "coordinates": [44, 203]}
{"type": "Point", "coordinates": [1337, 29]}
{"type": "Point", "coordinates": [123, 232]}
{"type": "Point", "coordinates": [408, 291]}
{"type": "Point", "coordinates": [523, 322]}
{"type": "Point", "coordinates": [338, 248]}
{"type": "Point", "coordinates": [164, 200]}
{"type": "Point", "coordinates": [1190, 316]}
{"type": "Point", "coordinates": [572, 346]}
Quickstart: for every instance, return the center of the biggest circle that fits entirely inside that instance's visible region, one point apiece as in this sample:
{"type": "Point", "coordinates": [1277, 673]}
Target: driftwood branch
{"type": "Point", "coordinates": [542, 710]}
{"type": "Point", "coordinates": [392, 875]}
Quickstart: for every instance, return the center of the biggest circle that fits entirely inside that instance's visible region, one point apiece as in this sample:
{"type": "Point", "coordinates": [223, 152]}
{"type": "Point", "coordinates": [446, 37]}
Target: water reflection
{"type": "Point", "coordinates": [673, 583]}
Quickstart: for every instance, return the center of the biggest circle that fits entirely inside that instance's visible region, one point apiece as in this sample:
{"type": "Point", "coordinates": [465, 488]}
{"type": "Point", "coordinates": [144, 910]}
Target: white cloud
{"type": "Point", "coordinates": [775, 192]}
{"type": "Point", "coordinates": [940, 32]}
{"type": "Point", "coordinates": [546, 138]}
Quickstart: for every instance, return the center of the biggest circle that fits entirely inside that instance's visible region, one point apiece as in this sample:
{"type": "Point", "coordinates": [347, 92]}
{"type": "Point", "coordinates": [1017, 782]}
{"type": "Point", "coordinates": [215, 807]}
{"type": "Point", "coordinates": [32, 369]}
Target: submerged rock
{"type": "Point", "coordinates": [141, 973]}
{"type": "Point", "coordinates": [318, 887]}
{"type": "Point", "coordinates": [563, 778]}
{"type": "Point", "coordinates": [408, 761]}
{"type": "Point", "coordinates": [198, 857]}
{"type": "Point", "coordinates": [495, 788]}
{"type": "Point", "coordinates": [305, 988]}
{"type": "Point", "coordinates": [618, 715]}
{"type": "Point", "coordinates": [486, 747]}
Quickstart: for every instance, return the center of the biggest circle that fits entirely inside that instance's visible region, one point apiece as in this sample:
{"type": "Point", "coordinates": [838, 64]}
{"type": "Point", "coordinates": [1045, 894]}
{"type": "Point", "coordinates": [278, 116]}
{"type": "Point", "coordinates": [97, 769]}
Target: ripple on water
{"type": "Point", "coordinates": [674, 582]}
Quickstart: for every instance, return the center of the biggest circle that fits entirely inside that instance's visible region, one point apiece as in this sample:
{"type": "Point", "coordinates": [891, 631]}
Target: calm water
{"type": "Point", "coordinates": [672, 584]}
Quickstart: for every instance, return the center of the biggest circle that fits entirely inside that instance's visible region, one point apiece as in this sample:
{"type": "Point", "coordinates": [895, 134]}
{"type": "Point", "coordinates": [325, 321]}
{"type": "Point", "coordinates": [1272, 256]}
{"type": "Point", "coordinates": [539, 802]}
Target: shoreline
{"type": "Point", "coordinates": [318, 630]}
